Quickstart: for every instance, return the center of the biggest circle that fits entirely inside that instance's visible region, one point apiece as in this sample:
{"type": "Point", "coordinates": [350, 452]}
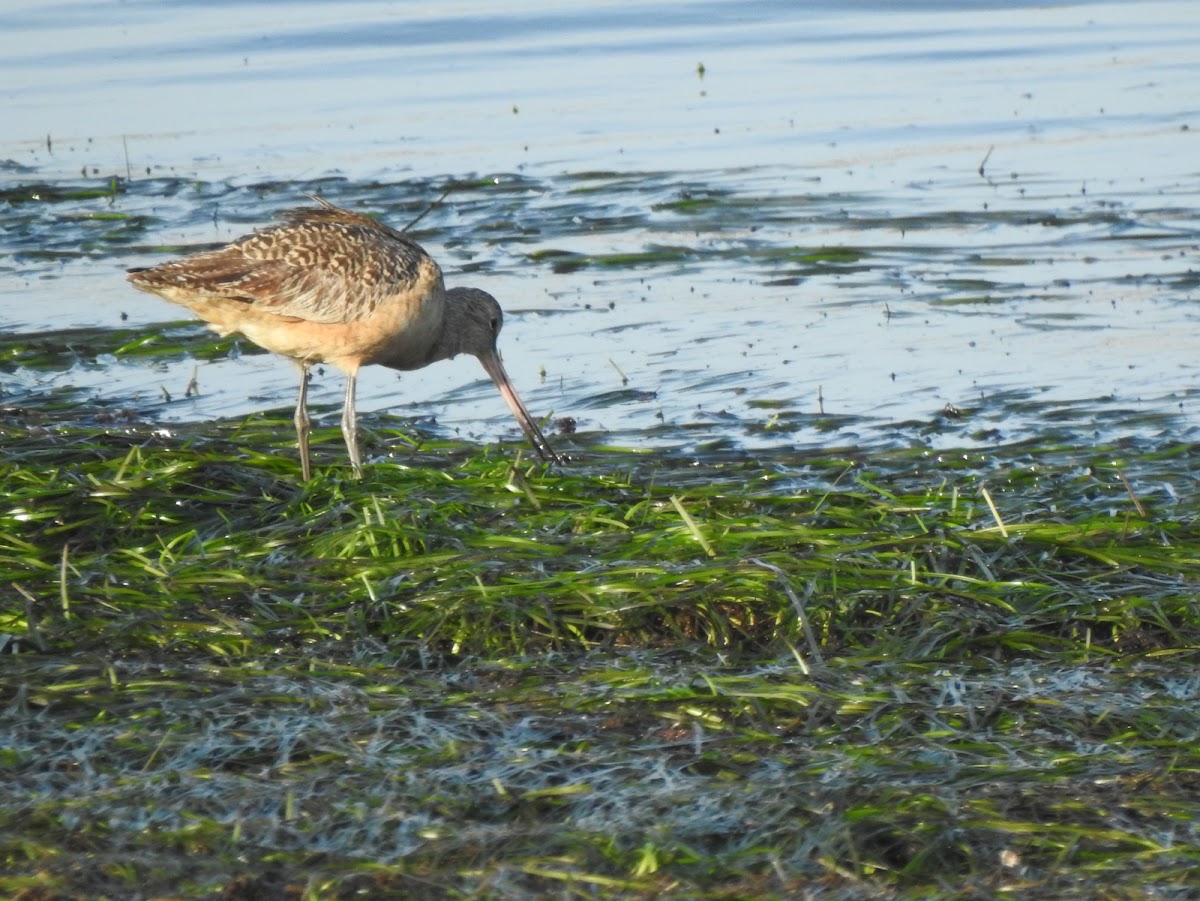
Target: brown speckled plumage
{"type": "Point", "coordinates": [331, 285]}
{"type": "Point", "coordinates": [321, 264]}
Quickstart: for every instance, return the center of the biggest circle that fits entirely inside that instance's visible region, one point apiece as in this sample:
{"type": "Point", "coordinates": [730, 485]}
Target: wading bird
{"type": "Point", "coordinates": [328, 285]}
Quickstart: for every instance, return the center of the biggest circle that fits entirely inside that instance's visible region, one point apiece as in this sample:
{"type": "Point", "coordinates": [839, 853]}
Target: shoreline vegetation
{"type": "Point", "coordinates": [856, 673]}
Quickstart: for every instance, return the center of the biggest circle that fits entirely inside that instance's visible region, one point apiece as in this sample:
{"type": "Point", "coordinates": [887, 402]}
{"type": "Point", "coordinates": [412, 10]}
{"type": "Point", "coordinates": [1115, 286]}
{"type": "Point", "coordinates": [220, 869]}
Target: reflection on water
{"type": "Point", "coordinates": [837, 228]}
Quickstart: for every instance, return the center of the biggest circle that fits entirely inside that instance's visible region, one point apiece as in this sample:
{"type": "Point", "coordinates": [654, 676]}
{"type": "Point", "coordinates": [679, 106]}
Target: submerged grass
{"type": "Point", "coordinates": [54, 351]}
{"type": "Point", "coordinates": [859, 675]}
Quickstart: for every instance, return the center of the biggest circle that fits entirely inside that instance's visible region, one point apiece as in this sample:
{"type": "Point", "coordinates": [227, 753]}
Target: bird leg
{"type": "Point", "coordinates": [303, 423]}
{"type": "Point", "coordinates": [350, 424]}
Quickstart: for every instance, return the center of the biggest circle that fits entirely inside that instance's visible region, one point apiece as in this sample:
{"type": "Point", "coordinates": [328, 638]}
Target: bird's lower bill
{"type": "Point", "coordinates": [528, 424]}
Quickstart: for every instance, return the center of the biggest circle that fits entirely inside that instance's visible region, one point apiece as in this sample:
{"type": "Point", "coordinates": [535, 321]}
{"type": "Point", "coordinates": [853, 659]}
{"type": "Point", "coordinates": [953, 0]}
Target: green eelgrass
{"type": "Point", "coordinates": [636, 675]}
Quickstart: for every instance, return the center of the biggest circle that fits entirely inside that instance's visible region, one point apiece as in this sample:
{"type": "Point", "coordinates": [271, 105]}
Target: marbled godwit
{"type": "Point", "coordinates": [331, 286]}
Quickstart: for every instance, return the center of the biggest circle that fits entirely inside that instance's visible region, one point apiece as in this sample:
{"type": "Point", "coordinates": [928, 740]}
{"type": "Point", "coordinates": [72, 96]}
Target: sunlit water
{"type": "Point", "coordinates": [756, 223]}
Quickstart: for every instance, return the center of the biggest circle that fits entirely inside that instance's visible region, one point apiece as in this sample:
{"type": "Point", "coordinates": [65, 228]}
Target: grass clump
{"type": "Point", "coordinates": [885, 674]}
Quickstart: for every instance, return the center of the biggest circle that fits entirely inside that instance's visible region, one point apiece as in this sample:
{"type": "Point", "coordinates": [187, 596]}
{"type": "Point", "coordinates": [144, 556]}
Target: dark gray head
{"type": "Point", "coordinates": [473, 322]}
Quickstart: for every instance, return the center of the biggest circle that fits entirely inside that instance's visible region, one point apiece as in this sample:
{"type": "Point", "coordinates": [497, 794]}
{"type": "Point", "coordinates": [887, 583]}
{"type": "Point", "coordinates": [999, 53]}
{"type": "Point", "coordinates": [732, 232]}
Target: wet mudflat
{"type": "Point", "coordinates": [872, 571]}
{"type": "Point", "coordinates": [676, 312]}
{"type": "Point", "coordinates": [759, 226]}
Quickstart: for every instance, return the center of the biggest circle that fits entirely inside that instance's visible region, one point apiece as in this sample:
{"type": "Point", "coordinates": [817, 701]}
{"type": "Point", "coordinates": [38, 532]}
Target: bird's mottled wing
{"type": "Point", "coordinates": [322, 265]}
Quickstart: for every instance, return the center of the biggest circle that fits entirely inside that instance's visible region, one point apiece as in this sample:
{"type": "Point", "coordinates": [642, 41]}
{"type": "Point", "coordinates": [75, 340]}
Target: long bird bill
{"type": "Point", "coordinates": [495, 368]}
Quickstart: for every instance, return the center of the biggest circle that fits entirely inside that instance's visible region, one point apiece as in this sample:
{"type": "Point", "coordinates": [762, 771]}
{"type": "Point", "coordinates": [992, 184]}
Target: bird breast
{"type": "Point", "coordinates": [399, 333]}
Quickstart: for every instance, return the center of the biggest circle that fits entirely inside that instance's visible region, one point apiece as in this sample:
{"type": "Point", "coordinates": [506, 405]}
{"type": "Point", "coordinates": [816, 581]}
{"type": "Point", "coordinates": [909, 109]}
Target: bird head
{"type": "Point", "coordinates": [476, 322]}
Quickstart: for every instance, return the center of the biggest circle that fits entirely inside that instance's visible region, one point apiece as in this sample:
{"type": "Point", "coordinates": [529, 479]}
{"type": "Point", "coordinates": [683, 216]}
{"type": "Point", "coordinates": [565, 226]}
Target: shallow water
{"type": "Point", "coordinates": [946, 224]}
